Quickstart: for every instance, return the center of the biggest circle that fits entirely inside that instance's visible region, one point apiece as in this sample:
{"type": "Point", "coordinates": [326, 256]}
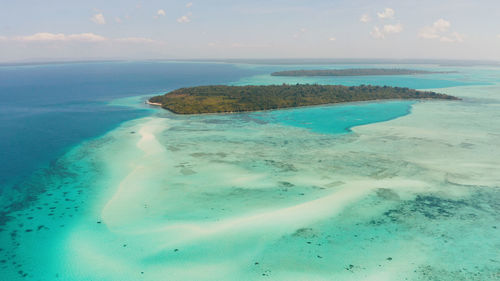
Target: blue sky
{"type": "Point", "coordinates": [130, 29]}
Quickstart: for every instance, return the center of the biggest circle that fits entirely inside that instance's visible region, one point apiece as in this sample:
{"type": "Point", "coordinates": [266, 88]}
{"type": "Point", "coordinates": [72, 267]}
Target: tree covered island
{"type": "Point", "coordinates": [354, 72]}
{"type": "Point", "coordinates": [224, 99]}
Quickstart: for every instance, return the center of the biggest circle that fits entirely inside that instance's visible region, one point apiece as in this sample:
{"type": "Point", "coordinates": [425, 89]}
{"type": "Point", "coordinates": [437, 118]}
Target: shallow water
{"type": "Point", "coordinates": [300, 194]}
{"type": "Point", "coordinates": [337, 119]}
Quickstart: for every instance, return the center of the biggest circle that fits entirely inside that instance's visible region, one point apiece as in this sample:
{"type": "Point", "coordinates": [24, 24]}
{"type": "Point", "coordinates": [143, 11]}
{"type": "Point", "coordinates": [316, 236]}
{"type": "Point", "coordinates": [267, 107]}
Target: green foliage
{"type": "Point", "coordinates": [353, 72]}
{"type": "Point", "coordinates": [220, 98]}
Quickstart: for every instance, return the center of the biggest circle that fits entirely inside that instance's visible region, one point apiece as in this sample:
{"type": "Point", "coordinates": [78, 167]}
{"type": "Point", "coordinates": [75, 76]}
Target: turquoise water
{"type": "Point", "coordinates": [461, 77]}
{"type": "Point", "coordinates": [395, 190]}
{"type": "Point", "coordinates": [338, 119]}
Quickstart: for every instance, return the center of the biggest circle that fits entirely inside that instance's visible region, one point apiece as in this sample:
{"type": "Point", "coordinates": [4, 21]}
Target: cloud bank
{"type": "Point", "coordinates": [51, 37]}
{"type": "Point", "coordinates": [48, 37]}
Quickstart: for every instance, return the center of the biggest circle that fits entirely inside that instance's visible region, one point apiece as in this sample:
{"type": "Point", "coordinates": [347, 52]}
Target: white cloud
{"type": "Point", "coordinates": [51, 37]}
{"type": "Point", "coordinates": [388, 13]}
{"type": "Point", "coordinates": [189, 5]}
{"type": "Point", "coordinates": [89, 37]}
{"type": "Point", "coordinates": [161, 13]}
{"type": "Point", "coordinates": [453, 37]}
{"type": "Point", "coordinates": [393, 28]}
{"type": "Point", "coordinates": [98, 19]}
{"type": "Point", "coordinates": [47, 37]}
{"type": "Point", "coordinates": [377, 33]}
{"type": "Point", "coordinates": [365, 18]}
{"type": "Point", "coordinates": [332, 39]}
{"type": "Point", "coordinates": [439, 26]}
{"type": "Point", "coordinates": [184, 19]}
{"type": "Point", "coordinates": [380, 33]}
{"type": "Point", "coordinates": [42, 36]}
{"type": "Point", "coordinates": [440, 30]}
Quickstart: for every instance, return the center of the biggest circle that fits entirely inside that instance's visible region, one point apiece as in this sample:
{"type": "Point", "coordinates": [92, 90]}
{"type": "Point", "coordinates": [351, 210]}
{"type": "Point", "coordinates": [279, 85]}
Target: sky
{"type": "Point", "coordinates": [34, 30]}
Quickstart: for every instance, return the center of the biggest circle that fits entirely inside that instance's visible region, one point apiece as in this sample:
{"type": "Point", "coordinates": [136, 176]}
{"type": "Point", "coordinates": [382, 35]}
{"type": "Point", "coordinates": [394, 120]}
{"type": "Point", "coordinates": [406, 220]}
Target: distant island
{"type": "Point", "coordinates": [226, 99]}
{"type": "Point", "coordinates": [355, 72]}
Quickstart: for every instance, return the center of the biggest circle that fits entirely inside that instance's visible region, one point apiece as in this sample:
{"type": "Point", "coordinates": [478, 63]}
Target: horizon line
{"type": "Point", "coordinates": [282, 60]}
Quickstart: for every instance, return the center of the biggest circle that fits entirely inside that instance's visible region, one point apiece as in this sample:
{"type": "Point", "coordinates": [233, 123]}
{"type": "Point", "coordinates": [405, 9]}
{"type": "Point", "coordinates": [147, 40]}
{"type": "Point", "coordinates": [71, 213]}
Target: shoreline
{"type": "Point", "coordinates": [298, 107]}
{"type": "Point", "coordinates": [153, 103]}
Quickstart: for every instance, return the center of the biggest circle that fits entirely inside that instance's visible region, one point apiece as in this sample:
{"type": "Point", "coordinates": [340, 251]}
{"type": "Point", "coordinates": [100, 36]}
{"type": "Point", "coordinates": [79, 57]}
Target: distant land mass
{"type": "Point", "coordinates": [355, 72]}
{"type": "Point", "coordinates": [228, 99]}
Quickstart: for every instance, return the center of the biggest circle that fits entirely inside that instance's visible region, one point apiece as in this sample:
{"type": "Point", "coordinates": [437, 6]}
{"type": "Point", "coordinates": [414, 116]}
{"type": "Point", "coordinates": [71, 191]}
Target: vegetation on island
{"type": "Point", "coordinates": [354, 72]}
{"type": "Point", "coordinates": [224, 99]}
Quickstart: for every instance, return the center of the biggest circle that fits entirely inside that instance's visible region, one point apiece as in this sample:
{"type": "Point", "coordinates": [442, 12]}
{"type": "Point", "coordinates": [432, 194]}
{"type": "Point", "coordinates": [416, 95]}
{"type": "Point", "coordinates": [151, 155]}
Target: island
{"type": "Point", "coordinates": [355, 72]}
{"type": "Point", "coordinates": [229, 99]}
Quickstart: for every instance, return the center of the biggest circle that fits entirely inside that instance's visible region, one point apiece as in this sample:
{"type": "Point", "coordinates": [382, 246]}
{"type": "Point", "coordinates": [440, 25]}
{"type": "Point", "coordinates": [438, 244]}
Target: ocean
{"type": "Point", "coordinates": [47, 109]}
{"type": "Point", "coordinates": [97, 185]}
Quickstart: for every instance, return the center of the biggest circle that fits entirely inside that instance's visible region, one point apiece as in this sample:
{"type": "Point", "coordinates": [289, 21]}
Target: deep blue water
{"type": "Point", "coordinates": [338, 119]}
{"type": "Point", "coordinates": [46, 109]}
